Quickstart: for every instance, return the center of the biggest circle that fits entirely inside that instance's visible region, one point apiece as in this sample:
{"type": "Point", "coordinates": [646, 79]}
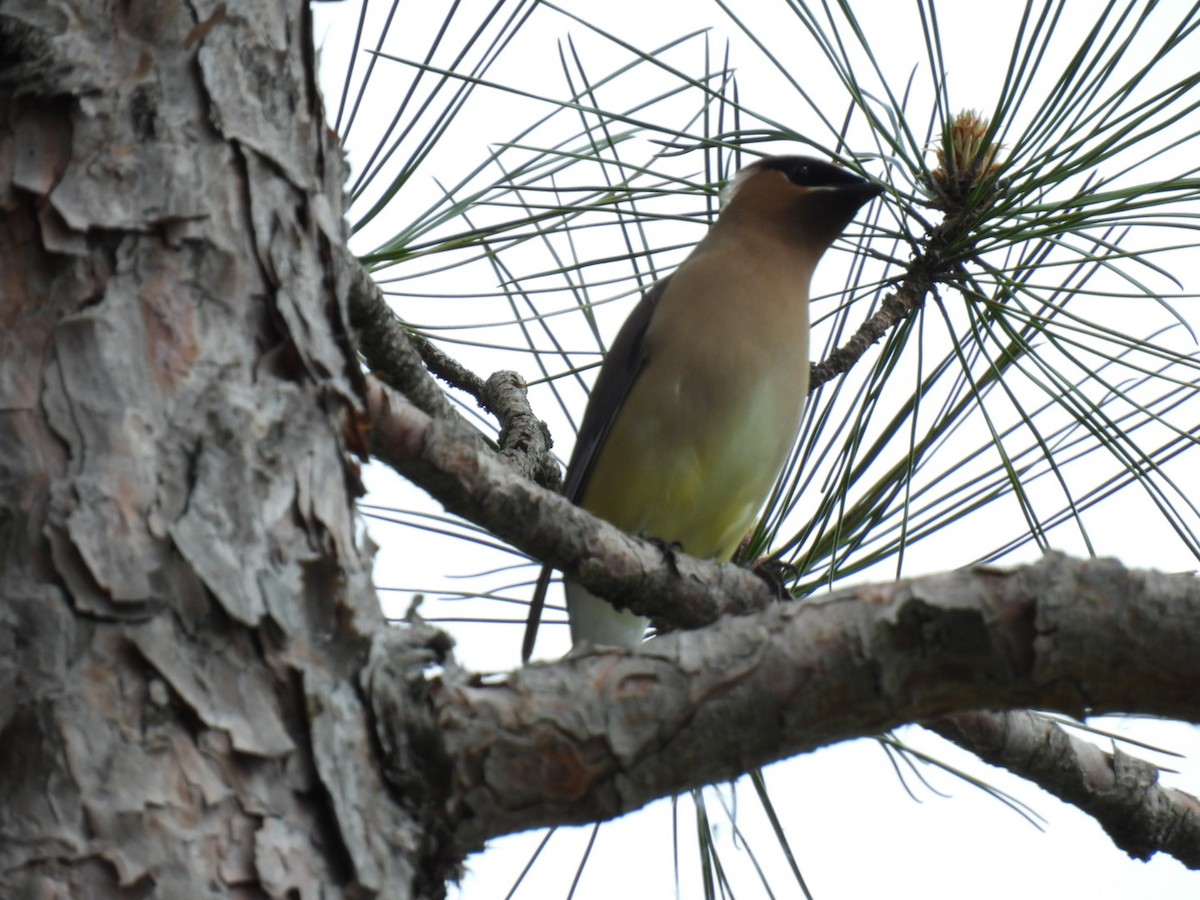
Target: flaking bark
{"type": "Point", "coordinates": [184, 605]}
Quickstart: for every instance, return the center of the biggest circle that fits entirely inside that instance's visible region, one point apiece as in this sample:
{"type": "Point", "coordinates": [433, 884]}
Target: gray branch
{"type": "Point", "coordinates": [599, 734]}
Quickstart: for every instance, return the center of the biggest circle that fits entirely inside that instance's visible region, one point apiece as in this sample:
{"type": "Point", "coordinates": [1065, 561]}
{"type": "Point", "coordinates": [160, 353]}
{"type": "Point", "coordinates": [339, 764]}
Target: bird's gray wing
{"type": "Point", "coordinates": [622, 365]}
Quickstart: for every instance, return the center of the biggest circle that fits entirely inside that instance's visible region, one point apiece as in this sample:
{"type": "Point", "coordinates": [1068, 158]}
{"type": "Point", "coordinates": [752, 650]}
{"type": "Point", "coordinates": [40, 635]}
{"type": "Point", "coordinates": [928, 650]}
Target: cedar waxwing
{"type": "Point", "coordinates": [699, 400]}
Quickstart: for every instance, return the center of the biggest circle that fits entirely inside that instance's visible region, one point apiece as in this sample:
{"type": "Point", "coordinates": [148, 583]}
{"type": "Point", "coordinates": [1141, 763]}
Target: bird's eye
{"type": "Point", "coordinates": [803, 171]}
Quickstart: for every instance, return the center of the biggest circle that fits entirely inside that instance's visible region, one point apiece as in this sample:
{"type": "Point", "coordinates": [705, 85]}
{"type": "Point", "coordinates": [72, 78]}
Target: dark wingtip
{"type": "Point", "coordinates": [534, 618]}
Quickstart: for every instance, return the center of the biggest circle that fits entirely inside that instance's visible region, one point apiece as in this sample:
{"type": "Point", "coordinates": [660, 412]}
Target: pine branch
{"type": "Point", "coordinates": [1119, 791]}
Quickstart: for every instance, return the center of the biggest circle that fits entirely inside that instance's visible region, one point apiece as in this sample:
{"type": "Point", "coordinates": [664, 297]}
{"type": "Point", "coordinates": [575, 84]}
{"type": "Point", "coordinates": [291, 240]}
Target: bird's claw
{"type": "Point", "coordinates": [667, 548]}
{"type": "Point", "coordinates": [775, 572]}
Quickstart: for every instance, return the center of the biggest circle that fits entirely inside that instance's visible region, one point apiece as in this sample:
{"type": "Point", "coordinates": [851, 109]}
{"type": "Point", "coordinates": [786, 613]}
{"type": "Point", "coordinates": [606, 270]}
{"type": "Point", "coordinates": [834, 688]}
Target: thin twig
{"type": "Point", "coordinates": [404, 361]}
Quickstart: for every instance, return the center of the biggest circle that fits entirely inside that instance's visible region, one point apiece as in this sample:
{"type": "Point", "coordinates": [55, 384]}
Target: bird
{"type": "Point", "coordinates": [699, 399]}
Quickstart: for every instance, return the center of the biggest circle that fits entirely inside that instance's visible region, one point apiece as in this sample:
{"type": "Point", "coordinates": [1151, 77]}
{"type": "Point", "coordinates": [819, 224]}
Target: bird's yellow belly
{"type": "Point", "coordinates": [693, 474]}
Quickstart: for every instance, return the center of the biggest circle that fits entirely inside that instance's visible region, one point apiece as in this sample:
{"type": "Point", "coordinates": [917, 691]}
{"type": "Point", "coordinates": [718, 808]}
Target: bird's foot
{"type": "Point", "coordinates": [667, 548]}
{"type": "Point", "coordinates": [775, 572]}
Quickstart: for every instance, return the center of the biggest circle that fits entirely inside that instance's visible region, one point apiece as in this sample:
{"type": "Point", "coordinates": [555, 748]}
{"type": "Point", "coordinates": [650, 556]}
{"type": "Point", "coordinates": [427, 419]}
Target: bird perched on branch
{"type": "Point", "coordinates": [699, 399]}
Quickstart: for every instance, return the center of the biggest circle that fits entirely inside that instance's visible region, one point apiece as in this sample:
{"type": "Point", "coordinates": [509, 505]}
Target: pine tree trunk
{"type": "Point", "coordinates": [183, 601]}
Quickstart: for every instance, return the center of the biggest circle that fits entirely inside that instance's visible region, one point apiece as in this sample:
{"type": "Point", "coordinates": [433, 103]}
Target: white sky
{"type": "Point", "coordinates": [855, 830]}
